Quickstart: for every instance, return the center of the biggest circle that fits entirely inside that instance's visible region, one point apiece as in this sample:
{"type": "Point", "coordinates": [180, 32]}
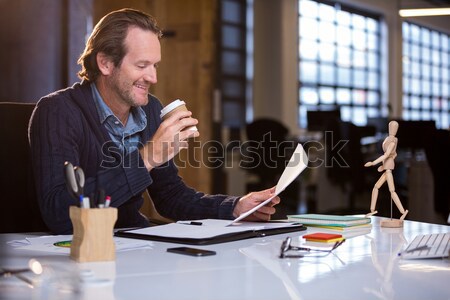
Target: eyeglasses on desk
{"type": "Point", "coordinates": [304, 251]}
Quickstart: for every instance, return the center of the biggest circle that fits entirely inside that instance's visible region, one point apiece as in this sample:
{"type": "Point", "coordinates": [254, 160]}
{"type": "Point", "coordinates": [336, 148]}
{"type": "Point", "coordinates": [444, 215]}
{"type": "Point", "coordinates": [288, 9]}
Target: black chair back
{"type": "Point", "coordinates": [19, 209]}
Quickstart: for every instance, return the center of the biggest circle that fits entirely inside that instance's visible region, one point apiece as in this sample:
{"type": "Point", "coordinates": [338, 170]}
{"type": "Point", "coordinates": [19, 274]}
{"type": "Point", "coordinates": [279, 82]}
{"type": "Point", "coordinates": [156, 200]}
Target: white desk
{"type": "Point", "coordinates": [364, 267]}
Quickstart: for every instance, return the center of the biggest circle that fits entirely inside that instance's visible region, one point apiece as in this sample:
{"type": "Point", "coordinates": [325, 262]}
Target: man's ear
{"type": "Point", "coordinates": [104, 63]}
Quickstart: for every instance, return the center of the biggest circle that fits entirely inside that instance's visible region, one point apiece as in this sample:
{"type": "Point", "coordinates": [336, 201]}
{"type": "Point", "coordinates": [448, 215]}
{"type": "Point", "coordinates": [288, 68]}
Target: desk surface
{"type": "Point", "coordinates": [364, 267]}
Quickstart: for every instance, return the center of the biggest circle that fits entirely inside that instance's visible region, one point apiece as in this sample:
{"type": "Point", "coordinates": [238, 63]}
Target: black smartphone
{"type": "Point", "coordinates": [191, 251]}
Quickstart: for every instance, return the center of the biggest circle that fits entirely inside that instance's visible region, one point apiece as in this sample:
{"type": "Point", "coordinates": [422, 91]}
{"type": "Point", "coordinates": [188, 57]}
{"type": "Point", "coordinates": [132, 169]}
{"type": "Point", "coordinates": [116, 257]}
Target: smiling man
{"type": "Point", "coordinates": [110, 126]}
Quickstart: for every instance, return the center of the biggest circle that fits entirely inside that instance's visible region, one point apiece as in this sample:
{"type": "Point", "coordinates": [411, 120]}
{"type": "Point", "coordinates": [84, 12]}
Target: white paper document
{"type": "Point", "coordinates": [209, 228]}
{"type": "Point", "coordinates": [296, 165]}
{"type": "Point", "coordinates": [47, 243]}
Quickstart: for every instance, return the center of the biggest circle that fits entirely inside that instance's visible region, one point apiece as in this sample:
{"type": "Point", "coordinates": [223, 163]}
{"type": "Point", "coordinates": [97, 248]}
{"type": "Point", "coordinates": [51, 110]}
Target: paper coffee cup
{"type": "Point", "coordinates": [173, 107]}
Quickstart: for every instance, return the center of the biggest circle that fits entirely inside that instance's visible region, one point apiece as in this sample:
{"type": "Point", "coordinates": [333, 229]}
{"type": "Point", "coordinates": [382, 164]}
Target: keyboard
{"type": "Point", "coordinates": [433, 245]}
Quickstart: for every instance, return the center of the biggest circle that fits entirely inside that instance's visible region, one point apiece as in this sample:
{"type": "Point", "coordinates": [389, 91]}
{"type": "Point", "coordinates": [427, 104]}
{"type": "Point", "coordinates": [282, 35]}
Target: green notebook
{"type": "Point", "coordinates": [330, 220]}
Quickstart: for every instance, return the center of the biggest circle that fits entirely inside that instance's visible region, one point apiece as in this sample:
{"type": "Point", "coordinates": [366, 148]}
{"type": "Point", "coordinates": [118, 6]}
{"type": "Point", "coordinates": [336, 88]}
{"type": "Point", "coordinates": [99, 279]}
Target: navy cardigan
{"type": "Point", "coordinates": [65, 127]}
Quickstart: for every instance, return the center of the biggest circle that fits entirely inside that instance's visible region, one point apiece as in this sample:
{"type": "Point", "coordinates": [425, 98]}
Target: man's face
{"type": "Point", "coordinates": [130, 82]}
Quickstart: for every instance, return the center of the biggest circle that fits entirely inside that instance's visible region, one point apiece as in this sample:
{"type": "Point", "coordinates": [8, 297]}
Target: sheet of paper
{"type": "Point", "coordinates": [46, 243]}
{"type": "Point", "coordinates": [178, 230]}
{"type": "Point", "coordinates": [296, 165]}
{"type": "Point", "coordinates": [209, 228]}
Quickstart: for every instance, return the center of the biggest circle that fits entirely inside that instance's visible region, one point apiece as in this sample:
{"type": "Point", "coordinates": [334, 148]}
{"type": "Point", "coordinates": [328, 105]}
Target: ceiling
{"type": "Point", "coordinates": [424, 3]}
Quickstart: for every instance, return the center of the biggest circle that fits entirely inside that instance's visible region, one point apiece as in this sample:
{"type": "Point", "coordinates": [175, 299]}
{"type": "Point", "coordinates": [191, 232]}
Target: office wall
{"type": "Point", "coordinates": [40, 45]}
{"type": "Point", "coordinates": [31, 56]}
{"type": "Point", "coordinates": [187, 71]}
{"type": "Point", "coordinates": [41, 41]}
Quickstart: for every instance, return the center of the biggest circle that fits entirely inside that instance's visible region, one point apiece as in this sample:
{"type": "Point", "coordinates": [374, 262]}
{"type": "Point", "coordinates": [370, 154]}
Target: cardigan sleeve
{"type": "Point", "coordinates": [177, 201]}
{"type": "Point", "coordinates": [172, 197]}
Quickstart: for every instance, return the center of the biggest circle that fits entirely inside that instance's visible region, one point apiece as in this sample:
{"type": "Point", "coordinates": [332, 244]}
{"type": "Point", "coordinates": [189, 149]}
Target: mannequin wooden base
{"type": "Point", "coordinates": [392, 223]}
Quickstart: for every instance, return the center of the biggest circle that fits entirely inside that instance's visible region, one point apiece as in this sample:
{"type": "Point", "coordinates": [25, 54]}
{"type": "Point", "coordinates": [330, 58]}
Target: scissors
{"type": "Point", "coordinates": [75, 180]}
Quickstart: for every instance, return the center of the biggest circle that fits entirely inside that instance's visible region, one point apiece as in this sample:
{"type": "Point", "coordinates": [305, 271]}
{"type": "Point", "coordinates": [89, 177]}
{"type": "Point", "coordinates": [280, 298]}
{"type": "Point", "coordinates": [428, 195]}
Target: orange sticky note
{"type": "Point", "coordinates": [323, 237]}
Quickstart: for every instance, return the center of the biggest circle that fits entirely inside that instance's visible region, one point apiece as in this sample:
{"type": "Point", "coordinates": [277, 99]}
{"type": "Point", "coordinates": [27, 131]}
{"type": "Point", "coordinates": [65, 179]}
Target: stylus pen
{"type": "Point", "coordinates": [8, 272]}
{"type": "Point", "coordinates": [25, 279]}
{"type": "Point", "coordinates": [417, 249]}
{"type": "Point", "coordinates": [16, 273]}
{"type": "Point", "coordinates": [423, 247]}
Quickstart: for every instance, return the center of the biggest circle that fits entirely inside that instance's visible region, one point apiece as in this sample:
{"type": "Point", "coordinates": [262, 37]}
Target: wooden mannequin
{"type": "Point", "coordinates": [389, 148]}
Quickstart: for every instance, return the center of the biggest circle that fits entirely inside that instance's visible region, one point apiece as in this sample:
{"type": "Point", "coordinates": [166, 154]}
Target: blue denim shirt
{"type": "Point", "coordinates": [126, 137]}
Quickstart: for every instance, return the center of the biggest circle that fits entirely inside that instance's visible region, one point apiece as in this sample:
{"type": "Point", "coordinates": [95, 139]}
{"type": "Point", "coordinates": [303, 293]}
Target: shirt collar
{"type": "Point", "coordinates": [104, 112]}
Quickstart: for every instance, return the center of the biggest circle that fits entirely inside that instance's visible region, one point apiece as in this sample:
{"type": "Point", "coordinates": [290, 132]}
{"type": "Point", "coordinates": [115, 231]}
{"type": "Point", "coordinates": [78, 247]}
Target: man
{"type": "Point", "coordinates": [110, 126]}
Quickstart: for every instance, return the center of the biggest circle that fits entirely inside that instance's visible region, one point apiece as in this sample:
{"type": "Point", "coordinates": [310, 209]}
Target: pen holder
{"type": "Point", "coordinates": [93, 234]}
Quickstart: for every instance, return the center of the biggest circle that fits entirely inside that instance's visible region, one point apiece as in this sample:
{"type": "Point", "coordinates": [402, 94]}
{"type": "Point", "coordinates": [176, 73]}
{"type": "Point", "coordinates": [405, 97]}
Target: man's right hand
{"type": "Point", "coordinates": [169, 139]}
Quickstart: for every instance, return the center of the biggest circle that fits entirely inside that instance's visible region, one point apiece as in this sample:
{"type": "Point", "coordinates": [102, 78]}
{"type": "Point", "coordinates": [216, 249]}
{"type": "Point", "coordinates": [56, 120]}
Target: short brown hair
{"type": "Point", "coordinates": [108, 37]}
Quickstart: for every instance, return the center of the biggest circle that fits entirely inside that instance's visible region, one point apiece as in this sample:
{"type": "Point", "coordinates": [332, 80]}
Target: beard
{"type": "Point", "coordinates": [123, 89]}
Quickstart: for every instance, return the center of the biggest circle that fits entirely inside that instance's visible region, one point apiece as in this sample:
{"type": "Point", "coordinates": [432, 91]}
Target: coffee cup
{"type": "Point", "coordinates": [173, 107]}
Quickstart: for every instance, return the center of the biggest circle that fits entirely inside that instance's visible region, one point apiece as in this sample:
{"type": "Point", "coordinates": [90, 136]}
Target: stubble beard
{"type": "Point", "coordinates": [123, 89]}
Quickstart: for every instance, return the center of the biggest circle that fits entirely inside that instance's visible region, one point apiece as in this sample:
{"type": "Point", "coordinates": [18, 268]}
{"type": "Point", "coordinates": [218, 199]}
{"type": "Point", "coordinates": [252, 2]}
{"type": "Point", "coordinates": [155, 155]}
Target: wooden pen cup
{"type": "Point", "coordinates": [93, 234]}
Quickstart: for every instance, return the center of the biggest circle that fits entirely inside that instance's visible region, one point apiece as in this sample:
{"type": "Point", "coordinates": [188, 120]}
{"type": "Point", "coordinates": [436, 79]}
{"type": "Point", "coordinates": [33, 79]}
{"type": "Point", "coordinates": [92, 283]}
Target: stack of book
{"type": "Point", "coordinates": [348, 226]}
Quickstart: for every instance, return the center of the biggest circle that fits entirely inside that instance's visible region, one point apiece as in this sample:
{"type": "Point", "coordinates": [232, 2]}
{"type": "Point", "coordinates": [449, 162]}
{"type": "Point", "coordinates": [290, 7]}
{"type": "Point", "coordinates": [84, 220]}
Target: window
{"type": "Point", "coordinates": [426, 55]}
{"type": "Point", "coordinates": [339, 62]}
{"type": "Point", "coordinates": [236, 58]}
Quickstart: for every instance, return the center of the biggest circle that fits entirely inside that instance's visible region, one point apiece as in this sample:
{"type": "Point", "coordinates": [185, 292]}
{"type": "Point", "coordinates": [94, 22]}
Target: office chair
{"type": "Point", "coordinates": [148, 209]}
{"type": "Point", "coordinates": [265, 156]}
{"type": "Point", "coordinates": [20, 211]}
{"type": "Point", "coordinates": [437, 152]}
{"type": "Point", "coordinates": [262, 154]}
{"type": "Point", "coordinates": [346, 164]}
{"type": "Point", "coordinates": [423, 135]}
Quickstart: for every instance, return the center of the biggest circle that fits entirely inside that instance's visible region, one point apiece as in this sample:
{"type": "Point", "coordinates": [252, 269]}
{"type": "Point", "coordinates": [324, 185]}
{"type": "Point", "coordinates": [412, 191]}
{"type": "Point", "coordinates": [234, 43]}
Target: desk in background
{"type": "Point", "coordinates": [364, 267]}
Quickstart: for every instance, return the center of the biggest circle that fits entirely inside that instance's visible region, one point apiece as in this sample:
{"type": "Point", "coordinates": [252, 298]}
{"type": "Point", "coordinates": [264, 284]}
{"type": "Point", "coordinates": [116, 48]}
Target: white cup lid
{"type": "Point", "coordinates": [174, 104]}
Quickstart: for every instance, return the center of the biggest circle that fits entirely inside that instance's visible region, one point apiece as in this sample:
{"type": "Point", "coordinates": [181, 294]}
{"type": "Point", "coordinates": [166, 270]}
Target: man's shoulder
{"type": "Point", "coordinates": [64, 103]}
{"type": "Point", "coordinates": [65, 97]}
{"type": "Point", "coordinates": [67, 92]}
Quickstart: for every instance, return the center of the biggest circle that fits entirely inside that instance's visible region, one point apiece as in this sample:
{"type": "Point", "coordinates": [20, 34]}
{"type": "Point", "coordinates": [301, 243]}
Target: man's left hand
{"type": "Point", "coordinates": [251, 200]}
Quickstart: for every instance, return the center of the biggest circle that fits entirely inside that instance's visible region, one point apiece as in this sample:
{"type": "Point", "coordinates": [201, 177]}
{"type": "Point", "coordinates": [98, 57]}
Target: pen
{"type": "Point", "coordinates": [101, 198]}
{"type": "Point", "coordinates": [25, 279]}
{"type": "Point", "coordinates": [16, 273]}
{"type": "Point", "coordinates": [423, 247]}
{"type": "Point", "coordinates": [65, 244]}
{"type": "Point", "coordinates": [92, 200]}
{"type": "Point", "coordinates": [86, 202]}
{"type": "Point", "coordinates": [192, 223]}
{"type": "Point", "coordinates": [7, 272]}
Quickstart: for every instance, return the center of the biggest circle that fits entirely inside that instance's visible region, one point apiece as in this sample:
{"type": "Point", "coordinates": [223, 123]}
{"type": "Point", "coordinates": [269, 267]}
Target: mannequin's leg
{"type": "Point", "coordinates": [375, 189]}
{"type": "Point", "coordinates": [398, 203]}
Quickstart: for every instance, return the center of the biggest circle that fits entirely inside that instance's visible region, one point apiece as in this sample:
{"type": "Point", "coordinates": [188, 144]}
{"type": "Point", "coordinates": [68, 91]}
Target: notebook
{"type": "Point", "coordinates": [432, 245]}
{"type": "Point", "coordinates": [331, 220]}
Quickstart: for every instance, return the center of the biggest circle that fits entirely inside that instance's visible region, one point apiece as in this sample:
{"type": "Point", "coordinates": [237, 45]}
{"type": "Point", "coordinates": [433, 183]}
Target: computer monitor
{"type": "Point", "coordinates": [319, 120]}
{"type": "Point", "coordinates": [414, 134]}
{"type": "Point", "coordinates": [379, 123]}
